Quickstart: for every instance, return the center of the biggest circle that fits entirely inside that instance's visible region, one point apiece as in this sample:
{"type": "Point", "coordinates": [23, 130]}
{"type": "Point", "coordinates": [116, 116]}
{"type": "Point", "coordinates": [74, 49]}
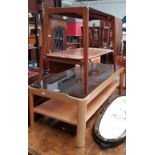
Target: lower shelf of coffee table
{"type": "Point", "coordinates": [67, 112]}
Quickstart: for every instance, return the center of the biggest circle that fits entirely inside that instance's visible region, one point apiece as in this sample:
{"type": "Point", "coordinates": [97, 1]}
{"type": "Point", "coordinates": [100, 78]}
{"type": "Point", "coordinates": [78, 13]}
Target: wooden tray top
{"type": "Point", "coordinates": [77, 53]}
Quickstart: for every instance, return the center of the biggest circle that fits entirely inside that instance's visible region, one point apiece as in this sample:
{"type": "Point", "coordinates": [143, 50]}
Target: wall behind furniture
{"type": "Point", "coordinates": [113, 7]}
{"type": "Point", "coordinates": [68, 2]}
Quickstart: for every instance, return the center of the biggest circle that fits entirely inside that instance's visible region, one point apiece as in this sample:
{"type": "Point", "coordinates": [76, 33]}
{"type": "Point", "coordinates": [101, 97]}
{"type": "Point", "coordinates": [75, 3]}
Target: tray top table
{"type": "Point", "coordinates": [76, 56]}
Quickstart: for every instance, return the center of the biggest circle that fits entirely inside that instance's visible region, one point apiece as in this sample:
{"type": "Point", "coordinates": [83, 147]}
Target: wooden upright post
{"type": "Point", "coordinates": [116, 37]}
{"type": "Point", "coordinates": [85, 46]}
{"type": "Point", "coordinates": [31, 106]}
{"type": "Point", "coordinates": [121, 82]}
{"type": "Point", "coordinates": [44, 43]}
{"type": "Point", "coordinates": [81, 124]}
{"type": "Point", "coordinates": [37, 38]}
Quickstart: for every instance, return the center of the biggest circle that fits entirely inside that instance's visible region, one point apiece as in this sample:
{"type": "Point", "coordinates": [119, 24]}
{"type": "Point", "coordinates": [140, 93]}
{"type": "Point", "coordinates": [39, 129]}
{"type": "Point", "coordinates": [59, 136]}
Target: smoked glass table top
{"type": "Point", "coordinates": [71, 81]}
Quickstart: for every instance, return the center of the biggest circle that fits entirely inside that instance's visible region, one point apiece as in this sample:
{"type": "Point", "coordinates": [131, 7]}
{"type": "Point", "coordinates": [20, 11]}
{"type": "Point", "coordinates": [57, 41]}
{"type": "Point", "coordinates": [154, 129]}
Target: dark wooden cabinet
{"type": "Point", "coordinates": [57, 35]}
{"type": "Point", "coordinates": [100, 36]}
{"type": "Point", "coordinates": [56, 42]}
{"type": "Point", "coordinates": [95, 37]}
{"type": "Point", "coordinates": [107, 35]}
{"type": "Point", "coordinates": [57, 39]}
{"type": "Point", "coordinates": [38, 5]}
{"type": "Point", "coordinates": [33, 5]}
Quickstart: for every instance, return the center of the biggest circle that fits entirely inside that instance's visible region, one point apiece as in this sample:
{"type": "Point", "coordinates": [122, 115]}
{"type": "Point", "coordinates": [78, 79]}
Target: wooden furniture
{"type": "Point", "coordinates": [63, 60]}
{"type": "Point", "coordinates": [123, 48]}
{"type": "Point", "coordinates": [57, 35]}
{"type": "Point", "coordinates": [86, 14]}
{"type": "Point", "coordinates": [32, 76]}
{"type": "Point", "coordinates": [121, 59]}
{"type": "Point", "coordinates": [101, 36]}
{"type": "Point", "coordinates": [33, 40]}
{"type": "Point", "coordinates": [75, 56]}
{"type": "Point", "coordinates": [116, 37]}
{"type": "Point", "coordinates": [32, 56]}
{"type": "Point", "coordinates": [75, 95]}
{"type": "Point", "coordinates": [40, 5]}
{"type": "Point", "coordinates": [107, 33]}
{"type": "Point", "coordinates": [36, 10]}
{"type": "Point", "coordinates": [72, 45]}
{"type": "Point", "coordinates": [56, 43]}
{"type": "Point", "coordinates": [95, 37]}
{"type": "Point", "coordinates": [67, 100]}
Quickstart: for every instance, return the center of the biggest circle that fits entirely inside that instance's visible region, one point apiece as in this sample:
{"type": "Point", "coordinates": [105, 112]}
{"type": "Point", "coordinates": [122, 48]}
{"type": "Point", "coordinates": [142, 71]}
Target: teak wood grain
{"type": "Point", "coordinates": [77, 53]}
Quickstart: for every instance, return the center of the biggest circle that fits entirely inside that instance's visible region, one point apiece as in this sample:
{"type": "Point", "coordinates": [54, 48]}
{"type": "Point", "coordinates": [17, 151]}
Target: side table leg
{"type": "Point", "coordinates": [121, 83]}
{"type": "Point", "coordinates": [31, 104]}
{"type": "Point", "coordinates": [81, 124]}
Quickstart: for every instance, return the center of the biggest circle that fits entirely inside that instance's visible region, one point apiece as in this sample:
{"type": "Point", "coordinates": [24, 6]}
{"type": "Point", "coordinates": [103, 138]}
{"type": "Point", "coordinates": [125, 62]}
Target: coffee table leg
{"type": "Point", "coordinates": [31, 110]}
{"type": "Point", "coordinates": [81, 124]}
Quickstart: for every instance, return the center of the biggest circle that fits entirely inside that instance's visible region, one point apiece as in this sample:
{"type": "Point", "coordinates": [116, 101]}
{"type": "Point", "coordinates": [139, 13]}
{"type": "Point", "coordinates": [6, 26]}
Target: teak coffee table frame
{"type": "Point", "coordinates": [74, 110]}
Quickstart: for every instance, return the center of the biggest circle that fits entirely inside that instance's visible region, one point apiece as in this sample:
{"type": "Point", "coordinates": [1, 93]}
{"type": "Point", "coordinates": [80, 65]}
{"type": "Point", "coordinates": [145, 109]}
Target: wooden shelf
{"type": "Point", "coordinates": [67, 112]}
{"type": "Point", "coordinates": [94, 105]}
{"type": "Point", "coordinates": [62, 111]}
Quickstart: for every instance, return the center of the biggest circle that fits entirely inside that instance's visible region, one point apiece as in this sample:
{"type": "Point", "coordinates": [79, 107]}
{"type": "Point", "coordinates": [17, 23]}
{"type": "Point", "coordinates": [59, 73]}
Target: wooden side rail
{"type": "Point", "coordinates": [121, 60]}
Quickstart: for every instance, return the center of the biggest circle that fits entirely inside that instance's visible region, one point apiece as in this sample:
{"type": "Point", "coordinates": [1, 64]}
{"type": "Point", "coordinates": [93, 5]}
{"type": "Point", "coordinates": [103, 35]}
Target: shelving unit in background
{"type": "Point", "coordinates": [33, 40]}
{"type": "Point", "coordinates": [36, 10]}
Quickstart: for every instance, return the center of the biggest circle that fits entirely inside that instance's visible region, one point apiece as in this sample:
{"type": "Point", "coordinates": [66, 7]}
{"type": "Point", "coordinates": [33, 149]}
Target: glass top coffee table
{"type": "Point", "coordinates": [67, 100]}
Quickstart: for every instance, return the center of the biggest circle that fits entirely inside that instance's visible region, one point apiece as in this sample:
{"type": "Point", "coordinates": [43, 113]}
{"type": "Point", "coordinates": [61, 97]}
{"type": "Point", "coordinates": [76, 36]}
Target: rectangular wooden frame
{"type": "Point", "coordinates": [86, 14]}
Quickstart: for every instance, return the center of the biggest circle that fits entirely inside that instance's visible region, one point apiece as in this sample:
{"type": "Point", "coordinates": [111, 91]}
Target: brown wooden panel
{"type": "Point", "coordinates": [48, 4]}
{"type": "Point", "coordinates": [53, 24]}
{"type": "Point", "coordinates": [55, 67]}
{"type": "Point", "coordinates": [124, 47]}
{"type": "Point", "coordinates": [117, 25]}
{"type": "Point", "coordinates": [33, 6]}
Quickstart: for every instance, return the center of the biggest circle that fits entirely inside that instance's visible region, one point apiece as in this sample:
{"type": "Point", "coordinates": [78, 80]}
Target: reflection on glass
{"type": "Point", "coordinates": [71, 81]}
